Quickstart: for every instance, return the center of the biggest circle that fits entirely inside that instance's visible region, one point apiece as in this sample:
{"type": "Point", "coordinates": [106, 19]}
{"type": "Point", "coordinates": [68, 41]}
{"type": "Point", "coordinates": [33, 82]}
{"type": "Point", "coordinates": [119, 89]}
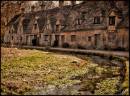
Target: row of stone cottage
{"type": "Point", "coordinates": [88, 25]}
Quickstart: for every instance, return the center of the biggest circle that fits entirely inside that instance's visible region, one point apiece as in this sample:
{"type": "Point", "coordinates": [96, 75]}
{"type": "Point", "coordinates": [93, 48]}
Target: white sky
{"type": "Point", "coordinates": [56, 2]}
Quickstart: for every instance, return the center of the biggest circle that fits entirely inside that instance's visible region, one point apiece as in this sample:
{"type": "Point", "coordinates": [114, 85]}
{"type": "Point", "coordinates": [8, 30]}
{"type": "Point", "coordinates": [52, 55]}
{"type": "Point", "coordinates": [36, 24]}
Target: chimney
{"type": "Point", "coordinates": [61, 3]}
{"type": "Point", "coordinates": [32, 8]}
{"type": "Point", "coordinates": [42, 6]}
{"type": "Point", "coordinates": [73, 2]}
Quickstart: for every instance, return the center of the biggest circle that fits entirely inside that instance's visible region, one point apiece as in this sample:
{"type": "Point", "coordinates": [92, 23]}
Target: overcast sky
{"type": "Point", "coordinates": [56, 2]}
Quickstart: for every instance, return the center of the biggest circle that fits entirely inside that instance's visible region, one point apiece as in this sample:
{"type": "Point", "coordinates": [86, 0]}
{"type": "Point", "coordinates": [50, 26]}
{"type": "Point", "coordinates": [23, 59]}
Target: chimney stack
{"type": "Point", "coordinates": [32, 8]}
{"type": "Point", "coordinates": [61, 3]}
{"type": "Point", "coordinates": [73, 2]}
{"type": "Point", "coordinates": [42, 5]}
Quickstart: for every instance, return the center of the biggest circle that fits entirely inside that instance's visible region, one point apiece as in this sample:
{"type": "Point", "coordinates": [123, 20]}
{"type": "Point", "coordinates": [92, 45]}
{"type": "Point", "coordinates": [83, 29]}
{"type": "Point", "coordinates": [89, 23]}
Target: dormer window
{"type": "Point", "coordinates": [83, 15]}
{"type": "Point", "coordinates": [97, 20]}
{"type": "Point", "coordinates": [35, 26]}
{"type": "Point", "coordinates": [78, 22]}
{"type": "Point", "coordinates": [57, 28]}
{"type": "Point", "coordinates": [112, 20]}
{"type": "Point", "coordinates": [103, 12]}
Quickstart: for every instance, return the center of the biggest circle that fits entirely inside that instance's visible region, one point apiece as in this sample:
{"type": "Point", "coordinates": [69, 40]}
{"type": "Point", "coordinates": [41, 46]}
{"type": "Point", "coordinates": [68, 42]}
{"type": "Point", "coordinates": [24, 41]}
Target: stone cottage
{"type": "Point", "coordinates": [88, 25]}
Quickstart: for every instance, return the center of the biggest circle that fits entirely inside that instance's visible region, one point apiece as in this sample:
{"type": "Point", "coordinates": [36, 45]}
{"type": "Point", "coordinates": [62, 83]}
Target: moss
{"type": "Point", "coordinates": [107, 87]}
{"type": "Point", "coordinates": [31, 68]}
{"type": "Point", "coordinates": [37, 67]}
{"type": "Point", "coordinates": [125, 84]}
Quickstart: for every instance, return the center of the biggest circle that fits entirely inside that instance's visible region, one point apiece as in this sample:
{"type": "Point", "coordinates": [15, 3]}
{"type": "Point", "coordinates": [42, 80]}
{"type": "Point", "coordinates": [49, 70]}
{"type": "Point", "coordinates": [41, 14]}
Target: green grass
{"type": "Point", "coordinates": [23, 70]}
{"type": "Point", "coordinates": [107, 87]}
{"type": "Point", "coordinates": [36, 69]}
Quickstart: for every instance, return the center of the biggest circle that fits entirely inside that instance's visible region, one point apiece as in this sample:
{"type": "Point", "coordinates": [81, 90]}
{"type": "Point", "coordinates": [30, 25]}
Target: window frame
{"type": "Point", "coordinates": [89, 38]}
{"type": "Point", "coordinates": [73, 38]}
{"type": "Point", "coordinates": [45, 37]}
{"type": "Point", "coordinates": [83, 16]}
{"type": "Point", "coordinates": [97, 20]}
{"type": "Point", "coordinates": [57, 27]}
{"type": "Point", "coordinates": [112, 20]}
{"type": "Point", "coordinates": [35, 26]}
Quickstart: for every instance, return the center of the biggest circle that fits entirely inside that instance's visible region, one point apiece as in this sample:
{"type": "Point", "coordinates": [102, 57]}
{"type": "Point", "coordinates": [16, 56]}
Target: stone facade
{"type": "Point", "coordinates": [88, 25]}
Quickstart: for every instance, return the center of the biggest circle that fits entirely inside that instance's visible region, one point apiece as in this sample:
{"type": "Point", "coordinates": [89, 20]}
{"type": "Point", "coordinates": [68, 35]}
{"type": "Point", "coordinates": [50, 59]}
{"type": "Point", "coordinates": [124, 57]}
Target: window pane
{"type": "Point", "coordinates": [89, 38]}
{"type": "Point", "coordinates": [73, 38]}
{"type": "Point", "coordinates": [97, 20]}
{"type": "Point", "coordinates": [46, 37]}
{"type": "Point", "coordinates": [112, 20]}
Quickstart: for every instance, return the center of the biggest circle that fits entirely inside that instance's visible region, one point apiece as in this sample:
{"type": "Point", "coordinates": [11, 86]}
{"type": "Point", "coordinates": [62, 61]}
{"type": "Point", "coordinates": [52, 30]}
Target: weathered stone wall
{"type": "Point", "coordinates": [82, 39]}
{"type": "Point", "coordinates": [123, 38]}
{"type": "Point", "coordinates": [75, 20]}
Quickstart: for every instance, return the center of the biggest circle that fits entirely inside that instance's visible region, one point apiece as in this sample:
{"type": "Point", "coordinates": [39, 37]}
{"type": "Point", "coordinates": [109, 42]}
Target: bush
{"type": "Point", "coordinates": [65, 45]}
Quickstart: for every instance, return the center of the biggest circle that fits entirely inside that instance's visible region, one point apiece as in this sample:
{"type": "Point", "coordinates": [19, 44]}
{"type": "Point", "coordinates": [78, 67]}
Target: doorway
{"type": "Point", "coordinates": [35, 41]}
{"type": "Point", "coordinates": [56, 42]}
{"type": "Point", "coordinates": [97, 40]}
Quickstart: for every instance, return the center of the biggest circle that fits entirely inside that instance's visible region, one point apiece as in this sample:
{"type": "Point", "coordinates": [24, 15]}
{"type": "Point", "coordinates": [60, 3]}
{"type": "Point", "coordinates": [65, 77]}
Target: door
{"type": "Point", "coordinates": [35, 41]}
{"type": "Point", "coordinates": [97, 40]}
{"type": "Point", "coordinates": [56, 42]}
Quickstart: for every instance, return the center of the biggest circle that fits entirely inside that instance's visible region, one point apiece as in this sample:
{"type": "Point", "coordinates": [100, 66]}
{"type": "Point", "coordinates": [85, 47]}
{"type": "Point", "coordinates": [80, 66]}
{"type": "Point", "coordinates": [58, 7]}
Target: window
{"type": "Point", "coordinates": [83, 15]}
{"type": "Point", "coordinates": [112, 20]}
{"type": "Point", "coordinates": [89, 38]}
{"type": "Point", "coordinates": [103, 12]}
{"type": "Point", "coordinates": [57, 28]}
{"type": "Point", "coordinates": [73, 38]}
{"type": "Point", "coordinates": [35, 26]}
{"type": "Point", "coordinates": [35, 36]}
{"type": "Point", "coordinates": [46, 37]}
{"type": "Point", "coordinates": [97, 20]}
{"type": "Point", "coordinates": [78, 21]}
{"type": "Point", "coordinates": [12, 37]}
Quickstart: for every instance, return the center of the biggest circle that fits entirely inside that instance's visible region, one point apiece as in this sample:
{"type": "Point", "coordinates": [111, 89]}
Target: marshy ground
{"type": "Point", "coordinates": [35, 72]}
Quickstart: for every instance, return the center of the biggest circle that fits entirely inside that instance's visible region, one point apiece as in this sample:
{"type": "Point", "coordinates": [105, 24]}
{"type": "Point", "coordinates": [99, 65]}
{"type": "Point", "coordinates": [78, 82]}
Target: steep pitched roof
{"type": "Point", "coordinates": [41, 23]}
{"type": "Point", "coordinates": [124, 22]}
{"type": "Point", "coordinates": [11, 22]}
{"type": "Point", "coordinates": [25, 24]}
{"type": "Point", "coordinates": [15, 25]}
